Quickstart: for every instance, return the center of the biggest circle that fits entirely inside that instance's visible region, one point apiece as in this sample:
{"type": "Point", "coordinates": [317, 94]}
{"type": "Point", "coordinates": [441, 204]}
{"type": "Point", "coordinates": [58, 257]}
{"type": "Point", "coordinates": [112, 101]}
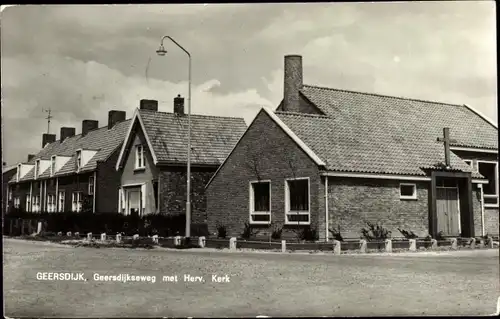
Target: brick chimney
{"type": "Point", "coordinates": [292, 83]}
{"type": "Point", "coordinates": [151, 105]}
{"type": "Point", "coordinates": [89, 125]}
{"type": "Point", "coordinates": [30, 157]}
{"type": "Point", "coordinates": [47, 139]}
{"type": "Point", "coordinates": [179, 105]}
{"type": "Point", "coordinates": [114, 117]}
{"type": "Point", "coordinates": [67, 132]}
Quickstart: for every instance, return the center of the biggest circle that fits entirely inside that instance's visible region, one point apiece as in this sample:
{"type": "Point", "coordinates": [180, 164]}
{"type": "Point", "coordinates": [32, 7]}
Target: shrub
{"type": "Point", "coordinates": [487, 239]}
{"type": "Point", "coordinates": [408, 234]}
{"type": "Point", "coordinates": [277, 232]}
{"type": "Point", "coordinates": [221, 231]}
{"type": "Point", "coordinates": [375, 232]}
{"type": "Point", "coordinates": [307, 233]}
{"type": "Point", "coordinates": [336, 233]}
{"type": "Point", "coordinates": [248, 231]}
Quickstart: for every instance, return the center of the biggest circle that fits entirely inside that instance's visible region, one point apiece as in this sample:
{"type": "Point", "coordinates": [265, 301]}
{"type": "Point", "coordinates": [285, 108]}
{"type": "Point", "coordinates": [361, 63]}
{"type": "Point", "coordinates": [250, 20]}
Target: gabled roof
{"type": "Point", "coordinates": [372, 133]}
{"type": "Point", "coordinates": [101, 139]}
{"type": "Point", "coordinates": [212, 137]}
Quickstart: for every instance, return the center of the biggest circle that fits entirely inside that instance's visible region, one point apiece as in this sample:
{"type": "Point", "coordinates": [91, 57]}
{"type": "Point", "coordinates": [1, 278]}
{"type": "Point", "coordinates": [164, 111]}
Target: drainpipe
{"type": "Point", "coordinates": [94, 194]}
{"type": "Point", "coordinates": [326, 208]}
{"type": "Point", "coordinates": [56, 197]}
{"type": "Point", "coordinates": [31, 198]}
{"type": "Point", "coordinates": [482, 208]}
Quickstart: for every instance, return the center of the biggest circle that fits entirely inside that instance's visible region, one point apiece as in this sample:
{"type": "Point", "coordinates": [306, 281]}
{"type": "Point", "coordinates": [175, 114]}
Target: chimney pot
{"type": "Point", "coordinates": [47, 139]}
{"type": "Point", "coordinates": [179, 105]}
{"type": "Point", "coordinates": [114, 117]}
{"type": "Point", "coordinates": [67, 132]}
{"type": "Point", "coordinates": [89, 125]}
{"type": "Point", "coordinates": [293, 82]}
{"type": "Point", "coordinates": [151, 105]}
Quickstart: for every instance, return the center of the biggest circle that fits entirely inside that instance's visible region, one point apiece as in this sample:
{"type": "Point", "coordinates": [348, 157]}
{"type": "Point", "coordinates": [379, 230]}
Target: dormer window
{"type": "Point", "coordinates": [37, 168]}
{"type": "Point", "coordinates": [52, 165]}
{"type": "Point", "coordinates": [139, 157]}
{"type": "Point", "coordinates": [78, 159]}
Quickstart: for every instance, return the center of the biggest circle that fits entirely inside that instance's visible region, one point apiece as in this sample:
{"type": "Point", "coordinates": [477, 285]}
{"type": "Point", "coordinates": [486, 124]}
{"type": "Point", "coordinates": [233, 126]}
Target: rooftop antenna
{"type": "Point", "coordinates": [49, 116]}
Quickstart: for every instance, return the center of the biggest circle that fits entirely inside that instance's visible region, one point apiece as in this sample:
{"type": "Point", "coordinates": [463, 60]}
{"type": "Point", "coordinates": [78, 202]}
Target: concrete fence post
{"type": "Point", "coordinates": [89, 236]}
{"type": "Point", "coordinates": [283, 246]}
{"type": "Point", "coordinates": [454, 243]}
{"type": "Point", "coordinates": [362, 246]}
{"type": "Point", "coordinates": [202, 241]}
{"type": "Point", "coordinates": [473, 243]}
{"type": "Point", "coordinates": [413, 244]}
{"type": "Point", "coordinates": [118, 238]}
{"type": "Point", "coordinates": [155, 239]}
{"type": "Point", "coordinates": [59, 233]}
{"type": "Point", "coordinates": [38, 230]}
{"type": "Point", "coordinates": [177, 240]}
{"type": "Point", "coordinates": [232, 244]}
{"type": "Point", "coordinates": [136, 236]}
{"type": "Point", "coordinates": [388, 246]}
{"type": "Point", "coordinates": [336, 247]}
{"type": "Point", "coordinates": [434, 243]}
{"type": "Point", "coordinates": [68, 234]}
{"type": "Point", "coordinates": [103, 236]}
{"type": "Point", "coordinates": [490, 242]}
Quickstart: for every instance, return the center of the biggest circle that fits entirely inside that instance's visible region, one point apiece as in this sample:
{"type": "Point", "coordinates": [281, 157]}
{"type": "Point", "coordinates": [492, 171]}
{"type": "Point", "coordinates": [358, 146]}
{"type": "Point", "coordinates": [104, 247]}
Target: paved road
{"type": "Point", "coordinates": [459, 283]}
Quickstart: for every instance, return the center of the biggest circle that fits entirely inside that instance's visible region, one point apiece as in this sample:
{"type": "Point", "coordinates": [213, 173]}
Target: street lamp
{"type": "Point", "coordinates": [162, 52]}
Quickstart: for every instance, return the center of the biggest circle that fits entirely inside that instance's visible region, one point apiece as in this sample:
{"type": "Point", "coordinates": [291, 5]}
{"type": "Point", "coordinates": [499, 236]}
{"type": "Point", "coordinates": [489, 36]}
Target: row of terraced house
{"type": "Point", "coordinates": [325, 157]}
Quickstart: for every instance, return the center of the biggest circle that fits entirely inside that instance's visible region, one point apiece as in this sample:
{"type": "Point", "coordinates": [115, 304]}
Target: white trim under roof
{"type": "Point", "coordinates": [285, 128]}
{"type": "Point", "coordinates": [473, 149]}
{"type": "Point", "coordinates": [481, 115]}
{"type": "Point", "coordinates": [137, 116]}
{"type": "Point", "coordinates": [377, 176]}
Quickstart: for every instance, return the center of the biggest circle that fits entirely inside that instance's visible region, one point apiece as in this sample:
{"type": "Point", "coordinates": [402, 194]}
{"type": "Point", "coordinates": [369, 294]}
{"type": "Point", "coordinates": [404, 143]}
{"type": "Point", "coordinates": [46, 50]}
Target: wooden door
{"type": "Point", "coordinates": [447, 209]}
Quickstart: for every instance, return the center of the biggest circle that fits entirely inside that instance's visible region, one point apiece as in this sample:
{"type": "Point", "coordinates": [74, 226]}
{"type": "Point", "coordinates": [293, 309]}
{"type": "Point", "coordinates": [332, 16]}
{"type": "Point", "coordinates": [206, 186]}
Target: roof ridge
{"type": "Point", "coordinates": [200, 115]}
{"type": "Point", "coordinates": [301, 114]}
{"type": "Point", "coordinates": [381, 95]}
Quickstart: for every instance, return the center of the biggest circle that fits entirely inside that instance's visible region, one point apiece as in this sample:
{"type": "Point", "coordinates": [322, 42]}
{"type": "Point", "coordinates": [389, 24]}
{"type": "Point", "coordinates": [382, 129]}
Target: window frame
{"type": "Point", "coordinates": [61, 204]}
{"type": "Point", "coordinates": [16, 202]}
{"type": "Point", "coordinates": [91, 185]}
{"type": "Point", "coordinates": [251, 208]}
{"type": "Point", "coordinates": [36, 204]}
{"type": "Point", "coordinates": [139, 157]}
{"type": "Point", "coordinates": [78, 159]}
{"type": "Point", "coordinates": [78, 202]}
{"type": "Point", "coordinates": [287, 203]}
{"type": "Point", "coordinates": [411, 197]}
{"type": "Point", "coordinates": [497, 195]}
{"type": "Point", "coordinates": [28, 207]}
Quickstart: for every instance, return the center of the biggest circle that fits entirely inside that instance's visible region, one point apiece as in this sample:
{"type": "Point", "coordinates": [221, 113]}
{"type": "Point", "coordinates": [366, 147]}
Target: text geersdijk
{"type": "Point", "coordinates": [66, 276]}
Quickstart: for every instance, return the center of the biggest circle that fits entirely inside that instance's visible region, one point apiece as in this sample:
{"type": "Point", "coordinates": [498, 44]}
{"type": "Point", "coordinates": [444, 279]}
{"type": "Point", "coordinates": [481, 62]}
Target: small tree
{"type": "Point", "coordinates": [375, 233]}
{"type": "Point", "coordinates": [336, 233]}
{"type": "Point", "coordinates": [407, 234]}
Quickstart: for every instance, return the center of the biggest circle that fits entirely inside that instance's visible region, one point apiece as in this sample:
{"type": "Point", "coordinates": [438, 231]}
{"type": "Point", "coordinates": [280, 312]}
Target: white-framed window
{"type": "Point", "coordinates": [28, 203]}
{"type": "Point", "coordinates": [489, 169]}
{"type": "Point", "coordinates": [260, 202]}
{"type": "Point", "coordinates": [78, 159]}
{"type": "Point", "coordinates": [62, 197]}
{"type": "Point", "coordinates": [297, 201]}
{"type": "Point", "coordinates": [52, 165]}
{"type": "Point", "coordinates": [37, 168]}
{"type": "Point", "coordinates": [36, 204]}
{"type": "Point", "coordinates": [76, 202]}
{"type": "Point", "coordinates": [51, 203]}
{"type": "Point", "coordinates": [407, 191]}
{"type": "Point", "coordinates": [17, 202]}
{"type": "Point", "coordinates": [139, 157]}
{"type": "Point", "coordinates": [91, 185]}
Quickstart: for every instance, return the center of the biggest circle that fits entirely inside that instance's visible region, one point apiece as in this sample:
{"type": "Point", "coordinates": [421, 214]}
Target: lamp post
{"type": "Point", "coordinates": [161, 51]}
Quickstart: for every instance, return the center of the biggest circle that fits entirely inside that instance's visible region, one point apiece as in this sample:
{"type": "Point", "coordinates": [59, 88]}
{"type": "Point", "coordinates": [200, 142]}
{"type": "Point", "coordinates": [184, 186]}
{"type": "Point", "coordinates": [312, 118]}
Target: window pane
{"type": "Point", "coordinates": [261, 218]}
{"type": "Point", "coordinates": [488, 171]}
{"type": "Point", "coordinates": [261, 197]}
{"type": "Point", "coordinates": [298, 218]}
{"type": "Point", "coordinates": [406, 190]}
{"type": "Point", "coordinates": [299, 194]}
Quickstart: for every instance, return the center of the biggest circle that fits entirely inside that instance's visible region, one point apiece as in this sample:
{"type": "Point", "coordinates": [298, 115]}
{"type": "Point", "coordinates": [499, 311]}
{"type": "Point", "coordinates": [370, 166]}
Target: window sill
{"type": "Point", "coordinates": [140, 169]}
{"type": "Point", "coordinates": [491, 205]}
{"type": "Point", "coordinates": [260, 223]}
{"type": "Point", "coordinates": [297, 223]}
{"type": "Point", "coordinates": [407, 198]}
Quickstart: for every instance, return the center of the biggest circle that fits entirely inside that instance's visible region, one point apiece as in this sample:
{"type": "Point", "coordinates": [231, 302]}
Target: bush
{"type": "Point", "coordinates": [336, 233]}
{"type": "Point", "coordinates": [375, 232]}
{"type": "Point", "coordinates": [307, 233]}
{"type": "Point", "coordinates": [221, 231]}
{"type": "Point", "coordinates": [277, 232]}
{"type": "Point", "coordinates": [248, 231]}
{"type": "Point", "coordinates": [408, 234]}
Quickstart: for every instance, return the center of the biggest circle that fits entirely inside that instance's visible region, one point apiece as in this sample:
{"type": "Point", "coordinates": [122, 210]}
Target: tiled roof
{"type": "Point", "coordinates": [104, 140]}
{"type": "Point", "coordinates": [212, 137]}
{"type": "Point", "coordinates": [372, 133]}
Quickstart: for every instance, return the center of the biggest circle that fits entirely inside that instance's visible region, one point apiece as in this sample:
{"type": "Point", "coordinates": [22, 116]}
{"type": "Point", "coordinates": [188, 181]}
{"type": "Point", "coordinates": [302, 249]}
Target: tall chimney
{"type": "Point", "coordinates": [67, 132]}
{"type": "Point", "coordinates": [89, 125]}
{"type": "Point", "coordinates": [30, 157]}
{"type": "Point", "coordinates": [47, 139]}
{"type": "Point", "coordinates": [151, 105]}
{"type": "Point", "coordinates": [115, 117]}
{"type": "Point", "coordinates": [179, 105]}
{"type": "Point", "coordinates": [292, 83]}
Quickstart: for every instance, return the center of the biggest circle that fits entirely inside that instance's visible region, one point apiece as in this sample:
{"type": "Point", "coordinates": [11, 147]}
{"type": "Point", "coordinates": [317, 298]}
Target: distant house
{"type": "Point", "coordinates": [7, 174]}
{"type": "Point", "coordinates": [75, 173]}
{"type": "Point", "coordinates": [153, 159]}
{"type": "Point", "coordinates": [335, 159]}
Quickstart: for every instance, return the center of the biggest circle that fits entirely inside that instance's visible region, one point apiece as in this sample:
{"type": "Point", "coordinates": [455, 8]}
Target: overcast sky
{"type": "Point", "coordinates": [82, 61]}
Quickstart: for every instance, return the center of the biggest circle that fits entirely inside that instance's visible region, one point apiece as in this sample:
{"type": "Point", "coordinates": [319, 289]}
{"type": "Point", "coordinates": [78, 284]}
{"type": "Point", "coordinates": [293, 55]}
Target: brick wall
{"type": "Point", "coordinates": [265, 152]}
{"type": "Point", "coordinates": [172, 188]}
{"type": "Point", "coordinates": [73, 183]}
{"type": "Point", "coordinates": [476, 208]}
{"type": "Point", "coordinates": [353, 201]}
{"type": "Point", "coordinates": [491, 222]}
{"type": "Point", "coordinates": [108, 181]}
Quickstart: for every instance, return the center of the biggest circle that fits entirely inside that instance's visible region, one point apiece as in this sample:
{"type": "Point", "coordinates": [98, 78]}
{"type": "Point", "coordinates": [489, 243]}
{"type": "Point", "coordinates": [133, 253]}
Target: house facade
{"type": "Point", "coordinates": [74, 173]}
{"type": "Point", "coordinates": [153, 159]}
{"type": "Point", "coordinates": [336, 159]}
{"type": "Point", "coordinates": [7, 174]}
